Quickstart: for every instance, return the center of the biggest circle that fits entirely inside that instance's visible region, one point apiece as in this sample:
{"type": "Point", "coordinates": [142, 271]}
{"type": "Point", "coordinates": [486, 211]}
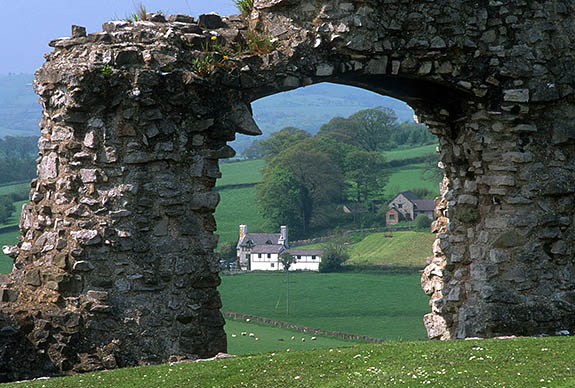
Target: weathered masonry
{"type": "Point", "coordinates": [116, 265]}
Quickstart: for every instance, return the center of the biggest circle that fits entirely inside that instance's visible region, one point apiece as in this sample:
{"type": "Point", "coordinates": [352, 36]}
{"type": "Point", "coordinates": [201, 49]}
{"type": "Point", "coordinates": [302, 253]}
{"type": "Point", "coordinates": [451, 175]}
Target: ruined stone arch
{"type": "Point", "coordinates": [116, 265]}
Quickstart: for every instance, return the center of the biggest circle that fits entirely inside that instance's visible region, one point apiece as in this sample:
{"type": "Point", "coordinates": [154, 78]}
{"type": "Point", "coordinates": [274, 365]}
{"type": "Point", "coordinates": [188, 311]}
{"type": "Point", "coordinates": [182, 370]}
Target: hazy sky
{"type": "Point", "coordinates": [28, 25]}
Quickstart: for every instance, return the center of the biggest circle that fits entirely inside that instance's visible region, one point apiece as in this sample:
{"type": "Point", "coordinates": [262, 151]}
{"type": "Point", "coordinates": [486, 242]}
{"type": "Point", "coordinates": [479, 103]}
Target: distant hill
{"type": "Point", "coordinates": [310, 107]}
{"type": "Point", "coordinates": [306, 108]}
{"type": "Point", "coordinates": [19, 108]}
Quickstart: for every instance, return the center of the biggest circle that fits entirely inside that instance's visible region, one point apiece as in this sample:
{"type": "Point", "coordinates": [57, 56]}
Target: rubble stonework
{"type": "Point", "coordinates": [115, 265]}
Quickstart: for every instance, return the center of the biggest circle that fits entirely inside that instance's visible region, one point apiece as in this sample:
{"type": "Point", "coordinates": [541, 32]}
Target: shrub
{"type": "Point", "coordinates": [333, 257]}
{"type": "Point", "coordinates": [422, 222]}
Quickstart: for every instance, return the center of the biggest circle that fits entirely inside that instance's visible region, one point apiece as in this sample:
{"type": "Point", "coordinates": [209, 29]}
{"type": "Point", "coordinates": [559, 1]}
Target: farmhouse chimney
{"type": "Point", "coordinates": [284, 236]}
{"type": "Point", "coordinates": [243, 231]}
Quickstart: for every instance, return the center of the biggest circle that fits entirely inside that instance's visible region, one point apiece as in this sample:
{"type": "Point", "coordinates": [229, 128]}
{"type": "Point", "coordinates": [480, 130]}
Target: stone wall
{"type": "Point", "coordinates": [116, 266]}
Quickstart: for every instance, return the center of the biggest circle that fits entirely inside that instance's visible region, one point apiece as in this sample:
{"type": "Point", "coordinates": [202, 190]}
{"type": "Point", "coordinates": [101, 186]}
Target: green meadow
{"type": "Point", "coordinates": [237, 206]}
{"type": "Point", "coordinates": [410, 153]}
{"type": "Point", "coordinates": [382, 304]}
{"type": "Point", "coordinates": [9, 231]}
{"type": "Point", "coordinates": [249, 171]}
{"type": "Point", "coordinates": [261, 339]}
{"type": "Point", "coordinates": [14, 188]}
{"type": "Point", "coordinates": [408, 178]}
{"type": "Point", "coordinates": [405, 248]}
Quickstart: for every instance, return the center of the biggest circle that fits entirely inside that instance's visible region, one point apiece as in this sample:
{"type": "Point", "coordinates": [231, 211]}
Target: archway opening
{"type": "Point", "coordinates": [387, 247]}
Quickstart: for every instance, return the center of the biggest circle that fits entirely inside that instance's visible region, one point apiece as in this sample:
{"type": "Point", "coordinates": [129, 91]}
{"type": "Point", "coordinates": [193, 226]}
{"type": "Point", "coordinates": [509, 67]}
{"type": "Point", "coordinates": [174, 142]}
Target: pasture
{"type": "Point", "coordinates": [410, 153]}
{"type": "Point", "coordinates": [273, 339]}
{"type": "Point", "coordinates": [408, 178]}
{"type": "Point", "coordinates": [237, 206]}
{"type": "Point", "coordinates": [9, 233]}
{"type": "Point", "coordinates": [405, 248]}
{"type": "Point", "coordinates": [14, 188]}
{"type": "Point", "coordinates": [249, 171]}
{"type": "Point", "coordinates": [381, 305]}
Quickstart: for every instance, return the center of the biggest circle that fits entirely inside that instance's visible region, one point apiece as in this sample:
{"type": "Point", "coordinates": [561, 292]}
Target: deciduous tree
{"type": "Point", "coordinates": [282, 140]}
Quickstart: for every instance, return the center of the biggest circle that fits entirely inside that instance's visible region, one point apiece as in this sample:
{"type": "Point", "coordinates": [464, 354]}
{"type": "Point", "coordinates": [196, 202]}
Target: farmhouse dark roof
{"type": "Point", "coordinates": [409, 195]}
{"type": "Point", "coordinates": [424, 205]}
{"type": "Point", "coordinates": [260, 239]}
{"type": "Point", "coordinates": [267, 249]}
{"type": "Point", "coordinates": [305, 252]}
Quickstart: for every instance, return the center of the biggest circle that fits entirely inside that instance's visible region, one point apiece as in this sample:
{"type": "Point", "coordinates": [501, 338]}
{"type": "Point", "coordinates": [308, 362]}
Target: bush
{"type": "Point", "coordinates": [333, 257]}
{"type": "Point", "coordinates": [422, 222]}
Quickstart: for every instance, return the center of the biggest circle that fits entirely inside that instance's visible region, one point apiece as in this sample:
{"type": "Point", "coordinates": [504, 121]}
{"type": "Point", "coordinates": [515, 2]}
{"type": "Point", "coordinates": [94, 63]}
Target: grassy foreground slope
{"type": "Point", "coordinates": [512, 363]}
{"type": "Point", "coordinates": [382, 305]}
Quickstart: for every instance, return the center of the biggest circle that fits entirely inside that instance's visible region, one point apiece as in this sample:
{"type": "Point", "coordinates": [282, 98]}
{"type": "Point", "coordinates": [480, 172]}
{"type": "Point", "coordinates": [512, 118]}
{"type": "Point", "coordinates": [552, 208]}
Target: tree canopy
{"type": "Point", "coordinates": [368, 129]}
{"type": "Point", "coordinates": [282, 140]}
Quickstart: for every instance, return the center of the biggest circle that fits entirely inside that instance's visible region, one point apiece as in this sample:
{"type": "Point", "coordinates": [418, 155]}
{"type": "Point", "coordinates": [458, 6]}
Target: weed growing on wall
{"type": "Point", "coordinates": [260, 44]}
{"type": "Point", "coordinates": [106, 70]}
{"type": "Point", "coordinates": [203, 66]}
{"type": "Point", "coordinates": [245, 6]}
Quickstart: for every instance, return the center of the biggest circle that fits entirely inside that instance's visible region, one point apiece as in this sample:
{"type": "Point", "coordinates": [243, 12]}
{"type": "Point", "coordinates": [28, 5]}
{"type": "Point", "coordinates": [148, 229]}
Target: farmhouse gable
{"type": "Point", "coordinates": [409, 205]}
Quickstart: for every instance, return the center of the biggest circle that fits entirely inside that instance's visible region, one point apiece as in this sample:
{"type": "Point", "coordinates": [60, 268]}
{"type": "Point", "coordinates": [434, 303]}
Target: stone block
{"type": "Point", "coordinates": [516, 95]}
{"type": "Point", "coordinates": [78, 31]}
{"type": "Point", "coordinates": [87, 237]}
{"type": "Point", "coordinates": [377, 66]}
{"type": "Point", "coordinates": [436, 326]}
{"type": "Point", "coordinates": [48, 167]}
{"type": "Point", "coordinates": [210, 21]}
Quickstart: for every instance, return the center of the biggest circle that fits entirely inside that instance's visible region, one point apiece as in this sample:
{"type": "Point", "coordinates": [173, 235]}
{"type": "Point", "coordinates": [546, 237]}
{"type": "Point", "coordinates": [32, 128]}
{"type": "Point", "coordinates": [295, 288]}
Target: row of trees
{"type": "Point", "coordinates": [307, 174]}
{"type": "Point", "coordinates": [357, 129]}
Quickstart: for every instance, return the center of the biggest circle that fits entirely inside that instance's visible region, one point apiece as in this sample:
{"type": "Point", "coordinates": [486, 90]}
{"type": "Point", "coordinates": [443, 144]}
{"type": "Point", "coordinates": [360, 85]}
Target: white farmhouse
{"type": "Point", "coordinates": [261, 252]}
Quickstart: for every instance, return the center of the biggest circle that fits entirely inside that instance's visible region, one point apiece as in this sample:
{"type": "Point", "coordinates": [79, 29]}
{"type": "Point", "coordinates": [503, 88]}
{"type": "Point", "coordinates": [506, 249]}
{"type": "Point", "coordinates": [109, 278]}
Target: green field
{"type": "Point", "coordinates": [249, 171]}
{"type": "Point", "coordinates": [9, 233]}
{"type": "Point", "coordinates": [409, 153]}
{"type": "Point", "coordinates": [511, 363]}
{"type": "Point", "coordinates": [273, 339]}
{"type": "Point", "coordinates": [380, 305]}
{"type": "Point", "coordinates": [13, 188]}
{"type": "Point", "coordinates": [406, 248]}
{"type": "Point", "coordinates": [237, 206]}
{"type": "Point", "coordinates": [407, 178]}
